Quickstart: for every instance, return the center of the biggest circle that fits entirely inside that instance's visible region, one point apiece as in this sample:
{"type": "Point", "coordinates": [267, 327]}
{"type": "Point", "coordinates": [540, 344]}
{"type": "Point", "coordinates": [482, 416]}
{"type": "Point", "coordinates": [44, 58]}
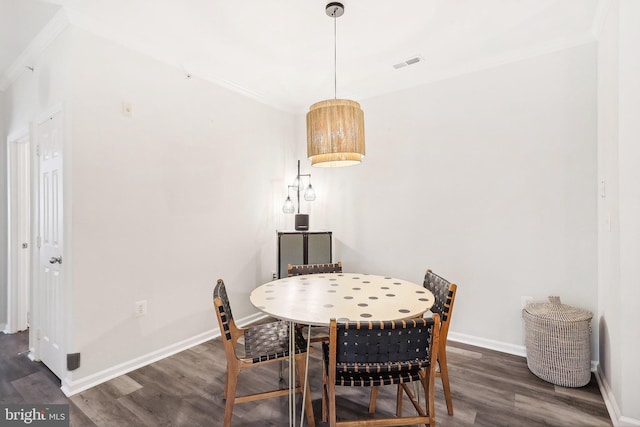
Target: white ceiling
{"type": "Point", "coordinates": [281, 51]}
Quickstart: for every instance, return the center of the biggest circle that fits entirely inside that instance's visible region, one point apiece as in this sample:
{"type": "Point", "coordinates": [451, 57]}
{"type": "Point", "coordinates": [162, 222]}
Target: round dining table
{"type": "Point", "coordinates": [315, 299]}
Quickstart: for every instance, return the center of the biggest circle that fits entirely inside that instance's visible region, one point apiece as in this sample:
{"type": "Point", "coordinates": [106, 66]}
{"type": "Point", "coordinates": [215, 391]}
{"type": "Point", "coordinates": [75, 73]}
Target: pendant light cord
{"type": "Point", "coordinates": [335, 56]}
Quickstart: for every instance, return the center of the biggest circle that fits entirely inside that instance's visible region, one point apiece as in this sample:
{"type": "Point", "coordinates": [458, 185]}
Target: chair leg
{"type": "Point", "coordinates": [444, 375]}
{"type": "Point", "coordinates": [230, 389]}
{"type": "Point", "coordinates": [373, 398]}
{"type": "Point", "coordinates": [301, 366]}
{"type": "Point", "coordinates": [399, 402]}
{"type": "Point", "coordinates": [332, 404]}
{"type": "Point", "coordinates": [429, 400]}
{"type": "Point", "coordinates": [226, 384]}
{"type": "Point", "coordinates": [325, 396]}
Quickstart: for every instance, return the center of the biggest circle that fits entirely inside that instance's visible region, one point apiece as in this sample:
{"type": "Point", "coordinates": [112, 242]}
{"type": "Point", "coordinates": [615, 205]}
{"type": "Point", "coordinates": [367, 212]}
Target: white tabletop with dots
{"type": "Point", "coordinates": [315, 299]}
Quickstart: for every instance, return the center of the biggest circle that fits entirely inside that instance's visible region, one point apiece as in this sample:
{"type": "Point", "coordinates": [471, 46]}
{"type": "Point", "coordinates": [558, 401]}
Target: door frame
{"type": "Point", "coordinates": [18, 291]}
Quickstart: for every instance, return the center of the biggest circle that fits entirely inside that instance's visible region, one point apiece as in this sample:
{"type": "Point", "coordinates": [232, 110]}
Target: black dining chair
{"type": "Point", "coordinates": [445, 295]}
{"type": "Point", "coordinates": [318, 333]}
{"type": "Point", "coordinates": [374, 354]}
{"type": "Point", "coordinates": [297, 270]}
{"type": "Point", "coordinates": [263, 343]}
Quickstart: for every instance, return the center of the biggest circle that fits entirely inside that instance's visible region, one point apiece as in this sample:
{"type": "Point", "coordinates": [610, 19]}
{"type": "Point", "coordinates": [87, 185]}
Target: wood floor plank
{"type": "Point", "coordinates": [103, 410]}
{"type": "Point", "coordinates": [154, 406]}
{"type": "Point", "coordinates": [152, 375]}
{"type": "Point", "coordinates": [16, 367]}
{"type": "Point", "coordinates": [558, 413]}
{"type": "Point", "coordinates": [37, 388]}
{"type": "Point", "coordinates": [590, 393]}
{"type": "Point", "coordinates": [78, 417]}
{"type": "Point", "coordinates": [187, 371]}
{"type": "Point", "coordinates": [8, 394]}
{"type": "Point", "coordinates": [120, 386]}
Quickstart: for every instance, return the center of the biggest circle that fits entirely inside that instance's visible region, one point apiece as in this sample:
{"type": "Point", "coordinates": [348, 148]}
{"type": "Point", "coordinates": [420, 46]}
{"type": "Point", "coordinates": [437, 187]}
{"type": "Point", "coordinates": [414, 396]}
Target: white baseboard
{"type": "Point", "coordinates": [612, 405]}
{"type": "Point", "coordinates": [250, 319]}
{"type": "Point", "coordinates": [71, 386]}
{"type": "Point", "coordinates": [518, 350]}
{"type": "Point", "coordinates": [628, 422]}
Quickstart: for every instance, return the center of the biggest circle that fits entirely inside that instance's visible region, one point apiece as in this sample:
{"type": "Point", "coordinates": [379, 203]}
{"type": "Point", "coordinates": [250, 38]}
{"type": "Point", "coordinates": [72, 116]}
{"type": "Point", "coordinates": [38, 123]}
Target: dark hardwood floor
{"type": "Point", "coordinates": [489, 389]}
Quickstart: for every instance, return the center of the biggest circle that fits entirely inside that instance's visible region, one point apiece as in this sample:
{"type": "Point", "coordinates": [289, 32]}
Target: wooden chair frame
{"type": "Point", "coordinates": [425, 415]}
{"type": "Point", "coordinates": [444, 308]}
{"type": "Point", "coordinates": [230, 334]}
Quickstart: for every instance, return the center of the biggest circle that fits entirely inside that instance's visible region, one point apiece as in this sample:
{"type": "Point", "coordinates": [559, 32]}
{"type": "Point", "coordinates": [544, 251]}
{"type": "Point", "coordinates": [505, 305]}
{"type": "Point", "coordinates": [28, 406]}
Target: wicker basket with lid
{"type": "Point", "coordinates": [557, 339]}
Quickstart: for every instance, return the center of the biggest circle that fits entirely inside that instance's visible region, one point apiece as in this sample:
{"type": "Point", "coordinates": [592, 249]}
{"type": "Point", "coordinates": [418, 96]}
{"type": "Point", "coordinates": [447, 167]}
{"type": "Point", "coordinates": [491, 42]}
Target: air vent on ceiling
{"type": "Point", "coordinates": [409, 61]}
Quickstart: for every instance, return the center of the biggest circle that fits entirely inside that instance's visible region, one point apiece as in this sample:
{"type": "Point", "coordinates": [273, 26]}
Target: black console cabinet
{"type": "Point", "coordinates": [303, 247]}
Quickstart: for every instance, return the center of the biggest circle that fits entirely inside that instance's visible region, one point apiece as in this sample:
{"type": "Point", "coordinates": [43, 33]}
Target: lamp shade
{"type": "Point", "coordinates": [310, 194]}
{"type": "Point", "coordinates": [335, 133]}
{"type": "Point", "coordinates": [288, 207]}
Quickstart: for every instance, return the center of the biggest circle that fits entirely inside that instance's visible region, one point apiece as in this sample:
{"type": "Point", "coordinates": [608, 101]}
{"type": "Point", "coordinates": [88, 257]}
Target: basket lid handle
{"type": "Point", "coordinates": [554, 299]}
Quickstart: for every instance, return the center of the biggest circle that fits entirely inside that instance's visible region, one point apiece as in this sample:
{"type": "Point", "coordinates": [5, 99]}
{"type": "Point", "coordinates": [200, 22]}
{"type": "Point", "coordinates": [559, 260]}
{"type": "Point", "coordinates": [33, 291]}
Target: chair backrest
{"type": "Point", "coordinates": [445, 294]}
{"type": "Point", "coordinates": [389, 346]}
{"type": "Point", "coordinates": [228, 329]}
{"type": "Point", "coordinates": [297, 270]}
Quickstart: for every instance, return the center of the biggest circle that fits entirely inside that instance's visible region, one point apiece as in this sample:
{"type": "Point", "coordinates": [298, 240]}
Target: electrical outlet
{"type": "Point", "coordinates": [274, 276]}
{"type": "Point", "coordinates": [141, 308]}
{"type": "Point", "coordinates": [524, 301]}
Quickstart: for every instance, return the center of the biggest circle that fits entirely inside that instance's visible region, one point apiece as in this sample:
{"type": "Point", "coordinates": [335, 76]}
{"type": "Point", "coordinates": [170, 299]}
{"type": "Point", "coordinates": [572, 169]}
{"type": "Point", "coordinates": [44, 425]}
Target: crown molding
{"type": "Point", "coordinates": [497, 61]}
{"type": "Point", "coordinates": [535, 51]}
{"type": "Point", "coordinates": [40, 42]}
{"type": "Point", "coordinates": [112, 34]}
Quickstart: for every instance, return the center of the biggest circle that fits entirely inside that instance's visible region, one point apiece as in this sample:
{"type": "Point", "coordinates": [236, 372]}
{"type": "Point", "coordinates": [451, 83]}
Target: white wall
{"type": "Point", "coordinates": [3, 213]}
{"type": "Point", "coordinates": [488, 179]}
{"type": "Point", "coordinates": [609, 239]}
{"type": "Point", "coordinates": [31, 95]}
{"type": "Point", "coordinates": [619, 248]}
{"type": "Point", "coordinates": [629, 182]}
{"type": "Point", "coordinates": [186, 191]}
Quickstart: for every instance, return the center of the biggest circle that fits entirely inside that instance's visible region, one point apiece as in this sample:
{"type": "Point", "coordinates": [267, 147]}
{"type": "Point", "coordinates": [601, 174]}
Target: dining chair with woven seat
{"type": "Point", "coordinates": [297, 270]}
{"type": "Point", "coordinates": [263, 344]}
{"type": "Point", "coordinates": [445, 294]}
{"type": "Point", "coordinates": [319, 333]}
{"type": "Point", "coordinates": [373, 354]}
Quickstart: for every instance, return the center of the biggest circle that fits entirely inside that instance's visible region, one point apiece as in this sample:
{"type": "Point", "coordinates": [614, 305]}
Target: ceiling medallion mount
{"type": "Point", "coordinates": [335, 9]}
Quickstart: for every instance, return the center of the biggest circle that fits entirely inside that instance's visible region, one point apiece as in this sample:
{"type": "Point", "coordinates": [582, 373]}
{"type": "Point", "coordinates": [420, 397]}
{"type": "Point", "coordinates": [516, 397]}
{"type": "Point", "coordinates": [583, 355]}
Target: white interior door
{"type": "Point", "coordinates": [50, 328]}
{"type": "Point", "coordinates": [19, 233]}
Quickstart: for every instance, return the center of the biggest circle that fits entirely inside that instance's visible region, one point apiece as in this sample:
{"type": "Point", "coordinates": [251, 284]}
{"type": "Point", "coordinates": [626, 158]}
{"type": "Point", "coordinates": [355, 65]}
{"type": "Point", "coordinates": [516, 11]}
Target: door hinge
{"type": "Point", "coordinates": [38, 335]}
{"type": "Point", "coordinates": [38, 150]}
{"type": "Point", "coordinates": [39, 242]}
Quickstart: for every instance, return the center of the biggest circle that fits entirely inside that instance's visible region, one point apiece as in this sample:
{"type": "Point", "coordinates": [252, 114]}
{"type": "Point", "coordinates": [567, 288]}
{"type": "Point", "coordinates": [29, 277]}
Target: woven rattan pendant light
{"type": "Point", "coordinates": [335, 127]}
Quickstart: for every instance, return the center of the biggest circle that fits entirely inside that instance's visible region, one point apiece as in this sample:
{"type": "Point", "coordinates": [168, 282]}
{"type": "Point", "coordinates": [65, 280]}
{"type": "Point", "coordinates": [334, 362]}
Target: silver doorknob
{"type": "Point", "coordinates": [55, 259]}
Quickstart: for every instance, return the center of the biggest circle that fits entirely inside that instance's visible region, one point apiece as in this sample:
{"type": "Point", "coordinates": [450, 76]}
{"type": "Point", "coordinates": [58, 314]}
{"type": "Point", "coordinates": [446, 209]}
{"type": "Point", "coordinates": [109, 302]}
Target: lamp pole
{"type": "Point", "coordinates": [298, 189]}
{"type": "Point", "coordinates": [302, 220]}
